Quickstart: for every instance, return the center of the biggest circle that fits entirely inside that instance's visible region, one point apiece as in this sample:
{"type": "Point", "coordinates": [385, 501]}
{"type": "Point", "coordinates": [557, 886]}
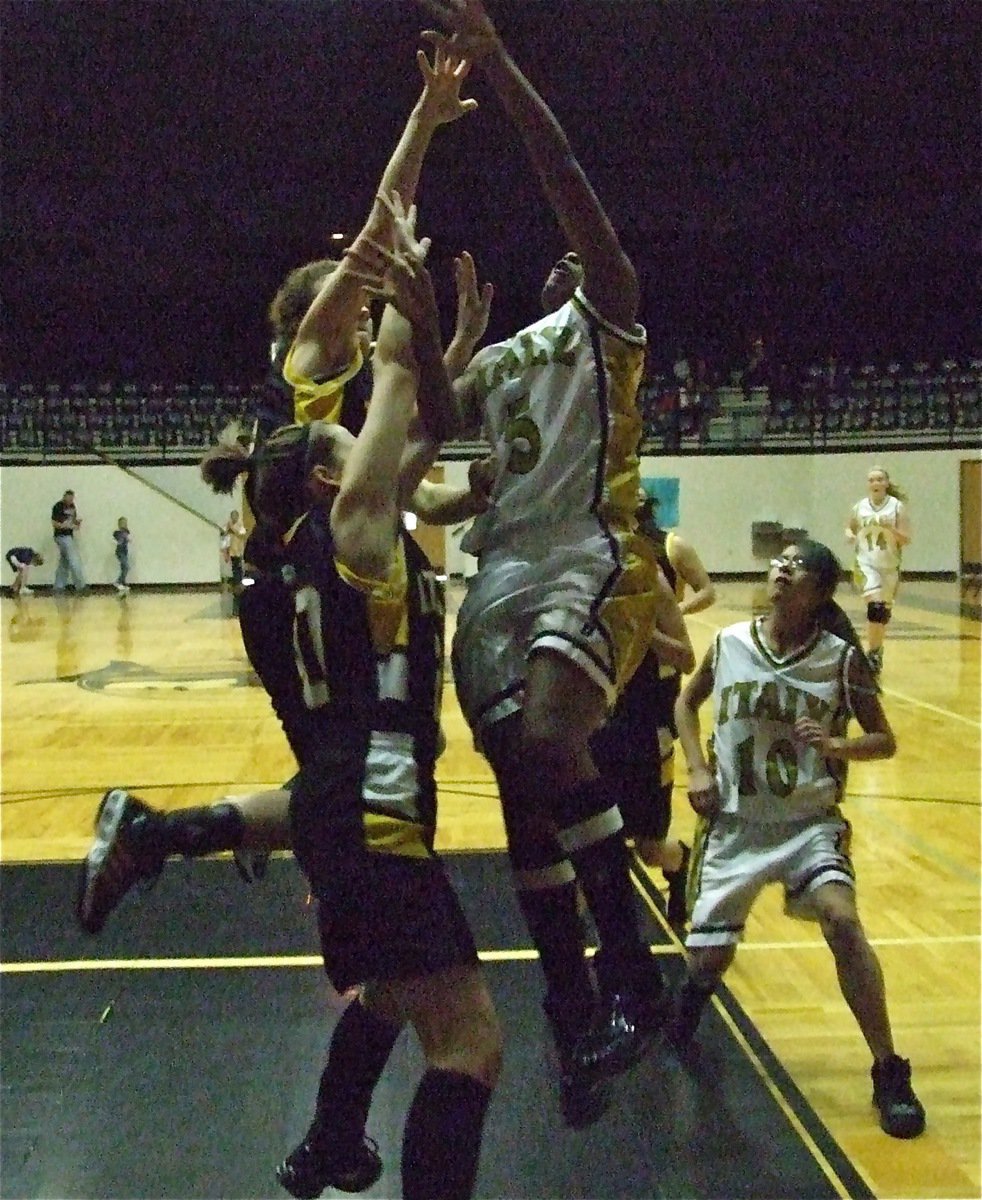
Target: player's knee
{"type": "Point", "coordinates": [841, 928]}
{"type": "Point", "coordinates": [652, 851]}
{"type": "Point", "coordinates": [877, 613]}
{"type": "Point", "coordinates": [550, 751]}
{"type": "Point", "coordinates": [533, 847]}
{"type": "Point", "coordinates": [470, 1041]}
{"type": "Point", "coordinates": [708, 964]}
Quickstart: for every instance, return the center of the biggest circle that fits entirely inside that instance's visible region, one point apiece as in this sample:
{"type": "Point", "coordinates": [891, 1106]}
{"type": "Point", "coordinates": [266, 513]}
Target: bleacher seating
{"type": "Point", "coordinates": [830, 404]}
{"type": "Point", "coordinates": [133, 420]}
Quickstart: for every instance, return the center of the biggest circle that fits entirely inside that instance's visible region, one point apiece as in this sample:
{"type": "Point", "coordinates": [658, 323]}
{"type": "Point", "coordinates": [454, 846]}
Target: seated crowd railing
{"type": "Point", "coordinates": [822, 405]}
{"type": "Point", "coordinates": [829, 405]}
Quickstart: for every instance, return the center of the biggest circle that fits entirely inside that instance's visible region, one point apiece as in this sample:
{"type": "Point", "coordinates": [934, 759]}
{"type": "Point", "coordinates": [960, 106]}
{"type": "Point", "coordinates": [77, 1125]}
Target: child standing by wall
{"type": "Point", "coordinates": [121, 535]}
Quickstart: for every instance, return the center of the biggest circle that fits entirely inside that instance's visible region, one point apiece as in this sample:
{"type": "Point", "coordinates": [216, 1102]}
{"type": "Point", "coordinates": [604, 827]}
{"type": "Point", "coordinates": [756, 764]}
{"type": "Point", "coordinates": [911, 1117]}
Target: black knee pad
{"type": "Point", "coordinates": [877, 612]}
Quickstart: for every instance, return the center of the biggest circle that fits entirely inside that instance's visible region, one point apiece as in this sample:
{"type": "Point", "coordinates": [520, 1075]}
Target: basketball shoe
{"type": "Point", "coordinates": [901, 1113]}
{"type": "Point", "coordinates": [312, 1167]}
{"type": "Point", "coordinates": [127, 849]}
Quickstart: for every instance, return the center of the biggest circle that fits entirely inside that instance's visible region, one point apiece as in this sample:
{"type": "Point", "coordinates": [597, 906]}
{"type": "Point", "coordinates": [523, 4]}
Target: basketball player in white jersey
{"type": "Point", "coordinates": [560, 611]}
{"type": "Point", "coordinates": [784, 687]}
{"type": "Point", "coordinates": [879, 528]}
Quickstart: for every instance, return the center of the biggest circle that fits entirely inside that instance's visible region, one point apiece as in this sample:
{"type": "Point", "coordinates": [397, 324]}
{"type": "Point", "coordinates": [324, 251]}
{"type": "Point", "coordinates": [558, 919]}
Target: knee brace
{"type": "Point", "coordinates": [877, 612]}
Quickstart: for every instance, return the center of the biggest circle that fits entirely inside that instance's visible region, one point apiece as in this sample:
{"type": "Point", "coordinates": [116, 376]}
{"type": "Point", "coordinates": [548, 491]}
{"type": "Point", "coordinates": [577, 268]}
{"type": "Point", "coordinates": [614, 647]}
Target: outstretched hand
{"type": "Point", "coordinates": [473, 304]}
{"type": "Point", "coordinates": [442, 80]}
{"type": "Point", "coordinates": [470, 30]}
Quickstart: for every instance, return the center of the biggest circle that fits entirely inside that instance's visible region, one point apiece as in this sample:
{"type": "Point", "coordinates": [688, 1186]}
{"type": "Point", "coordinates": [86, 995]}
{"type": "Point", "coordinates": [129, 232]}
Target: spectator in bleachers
{"type": "Point", "coordinates": [756, 369]}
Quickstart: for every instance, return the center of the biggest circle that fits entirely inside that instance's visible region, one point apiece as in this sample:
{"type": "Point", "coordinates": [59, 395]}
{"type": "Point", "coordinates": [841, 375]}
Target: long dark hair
{"type": "Point", "coordinates": [276, 473]}
{"type": "Point", "coordinates": [826, 570]}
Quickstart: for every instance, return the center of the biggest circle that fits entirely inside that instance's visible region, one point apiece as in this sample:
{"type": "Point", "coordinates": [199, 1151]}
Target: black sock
{"type": "Point", "coordinates": [554, 922]}
{"type": "Point", "coordinates": [603, 869]}
{"type": "Point", "coordinates": [687, 1005]}
{"type": "Point", "coordinates": [194, 832]}
{"type": "Point", "coordinates": [360, 1048]}
{"type": "Point", "coordinates": [441, 1145]}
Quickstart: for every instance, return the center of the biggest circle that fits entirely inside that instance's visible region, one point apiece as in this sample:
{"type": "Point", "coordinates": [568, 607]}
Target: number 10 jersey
{"type": "Point", "coordinates": [764, 773]}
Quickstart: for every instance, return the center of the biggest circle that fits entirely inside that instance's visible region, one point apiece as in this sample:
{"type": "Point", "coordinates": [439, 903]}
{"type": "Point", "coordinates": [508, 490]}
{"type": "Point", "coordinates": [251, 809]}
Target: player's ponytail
{"type": "Point", "coordinates": [833, 619]}
{"type": "Point", "coordinates": [227, 460]}
{"type": "Point", "coordinates": [825, 568]}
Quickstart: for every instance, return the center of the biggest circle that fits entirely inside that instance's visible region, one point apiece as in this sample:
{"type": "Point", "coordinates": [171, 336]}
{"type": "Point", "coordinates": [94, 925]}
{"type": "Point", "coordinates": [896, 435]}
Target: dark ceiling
{"type": "Point", "coordinates": [808, 168]}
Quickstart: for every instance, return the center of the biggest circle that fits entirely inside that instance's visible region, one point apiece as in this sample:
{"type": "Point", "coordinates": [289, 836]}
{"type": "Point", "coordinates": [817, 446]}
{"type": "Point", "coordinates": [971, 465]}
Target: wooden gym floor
{"type": "Point", "coordinates": [152, 692]}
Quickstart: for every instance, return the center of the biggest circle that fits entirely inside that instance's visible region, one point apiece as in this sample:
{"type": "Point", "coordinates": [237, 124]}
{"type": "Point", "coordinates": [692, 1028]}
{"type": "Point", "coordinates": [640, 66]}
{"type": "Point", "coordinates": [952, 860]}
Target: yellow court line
{"type": "Point", "coordinates": [793, 1119]}
{"type": "Point", "coordinates": [820, 944]}
{"type": "Point", "coordinates": [233, 961]}
{"type": "Point", "coordinates": [314, 960]}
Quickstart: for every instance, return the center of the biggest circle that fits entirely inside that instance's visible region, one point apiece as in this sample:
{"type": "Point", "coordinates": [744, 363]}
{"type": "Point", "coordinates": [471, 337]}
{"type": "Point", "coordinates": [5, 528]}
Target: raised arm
{"type": "Point", "coordinates": [375, 483]}
{"type": "Point", "coordinates": [365, 515]}
{"type": "Point", "coordinates": [473, 310]}
{"type": "Point", "coordinates": [326, 340]}
{"type": "Point", "coordinates": [610, 282]}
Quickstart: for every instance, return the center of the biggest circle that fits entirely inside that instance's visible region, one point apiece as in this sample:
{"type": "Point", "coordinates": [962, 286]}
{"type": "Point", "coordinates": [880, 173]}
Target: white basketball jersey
{"type": "Point", "coordinates": [764, 774]}
{"type": "Point", "coordinates": [560, 414]}
{"type": "Point", "coordinates": [876, 544]}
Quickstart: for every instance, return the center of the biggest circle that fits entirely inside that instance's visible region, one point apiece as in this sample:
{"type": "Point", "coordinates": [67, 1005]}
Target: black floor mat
{"type": "Point", "coordinates": [193, 1081]}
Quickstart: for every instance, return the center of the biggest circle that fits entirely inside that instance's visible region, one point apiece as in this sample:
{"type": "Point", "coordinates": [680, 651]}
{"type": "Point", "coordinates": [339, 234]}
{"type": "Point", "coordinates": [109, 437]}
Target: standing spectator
{"type": "Point", "coordinates": [681, 369]}
{"type": "Point", "coordinates": [121, 536]}
{"type": "Point", "coordinates": [756, 371]}
{"type": "Point", "coordinates": [64, 521]}
{"type": "Point", "coordinates": [784, 688]}
{"type": "Point", "coordinates": [235, 533]}
{"type": "Point", "coordinates": [878, 528]}
{"type": "Point", "coordinates": [21, 558]}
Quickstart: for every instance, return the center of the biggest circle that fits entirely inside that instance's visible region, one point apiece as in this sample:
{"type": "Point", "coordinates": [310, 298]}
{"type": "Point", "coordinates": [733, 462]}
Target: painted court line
{"type": "Point", "coordinates": [941, 712]}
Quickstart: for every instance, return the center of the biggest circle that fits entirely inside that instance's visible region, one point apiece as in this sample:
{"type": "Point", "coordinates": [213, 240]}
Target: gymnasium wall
{"type": "Point", "coordinates": [719, 499]}
{"type": "Point", "coordinates": [168, 544]}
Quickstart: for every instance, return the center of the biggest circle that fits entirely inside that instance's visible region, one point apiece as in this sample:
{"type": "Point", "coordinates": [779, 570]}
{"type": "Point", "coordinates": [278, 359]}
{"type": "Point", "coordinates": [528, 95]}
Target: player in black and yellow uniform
{"type": "Point", "coordinates": [321, 320]}
{"type": "Point", "coordinates": [321, 370]}
{"type": "Point", "coordinates": [360, 700]}
{"type": "Point", "coordinates": [321, 325]}
{"type": "Point", "coordinates": [635, 750]}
